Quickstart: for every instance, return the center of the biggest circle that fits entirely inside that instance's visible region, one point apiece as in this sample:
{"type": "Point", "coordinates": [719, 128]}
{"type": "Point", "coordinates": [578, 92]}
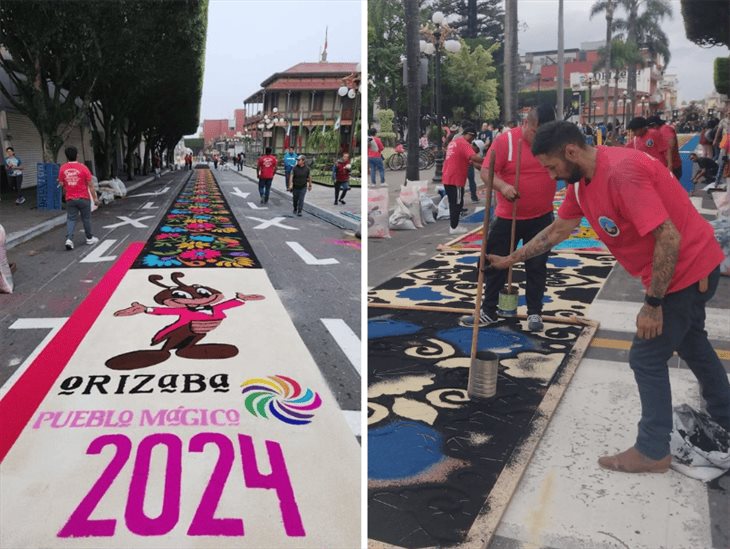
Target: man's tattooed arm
{"type": "Point", "coordinates": [666, 252]}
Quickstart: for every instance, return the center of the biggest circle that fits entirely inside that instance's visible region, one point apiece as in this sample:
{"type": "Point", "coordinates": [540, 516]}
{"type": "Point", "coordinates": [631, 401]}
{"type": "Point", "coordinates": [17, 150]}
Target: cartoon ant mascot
{"type": "Point", "coordinates": [199, 310]}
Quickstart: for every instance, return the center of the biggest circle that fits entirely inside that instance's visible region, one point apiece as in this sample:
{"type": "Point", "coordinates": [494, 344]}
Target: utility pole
{"type": "Point", "coordinates": [609, 23]}
{"type": "Point", "coordinates": [510, 48]}
{"type": "Point", "coordinates": [561, 61]}
{"type": "Point", "coordinates": [413, 61]}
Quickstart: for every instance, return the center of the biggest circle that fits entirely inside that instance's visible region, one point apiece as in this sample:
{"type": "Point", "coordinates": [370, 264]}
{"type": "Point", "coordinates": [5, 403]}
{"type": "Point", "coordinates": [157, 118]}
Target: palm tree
{"type": "Point", "coordinates": [606, 6]}
{"type": "Point", "coordinates": [622, 55]}
{"type": "Point", "coordinates": [509, 84]}
{"type": "Point", "coordinates": [414, 86]}
{"type": "Point", "coordinates": [642, 29]}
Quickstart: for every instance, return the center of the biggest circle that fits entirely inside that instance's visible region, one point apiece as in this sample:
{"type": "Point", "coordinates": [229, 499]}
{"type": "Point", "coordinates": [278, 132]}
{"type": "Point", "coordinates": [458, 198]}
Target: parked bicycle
{"type": "Point", "coordinates": [399, 159]}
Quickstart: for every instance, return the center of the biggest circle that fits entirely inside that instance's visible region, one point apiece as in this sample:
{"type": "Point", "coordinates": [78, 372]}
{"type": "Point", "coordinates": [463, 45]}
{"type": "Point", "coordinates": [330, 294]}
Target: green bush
{"type": "Point", "coordinates": [722, 75]}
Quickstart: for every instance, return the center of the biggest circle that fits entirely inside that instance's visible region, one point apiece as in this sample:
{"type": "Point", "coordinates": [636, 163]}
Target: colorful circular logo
{"type": "Point", "coordinates": [280, 397]}
{"type": "Point", "coordinates": [609, 226]}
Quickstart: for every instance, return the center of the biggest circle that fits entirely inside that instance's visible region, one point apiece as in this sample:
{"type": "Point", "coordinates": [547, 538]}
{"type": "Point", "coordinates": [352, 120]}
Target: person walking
{"type": "Point", "coordinates": [375, 157]}
{"type": "Point", "coordinates": [459, 156]}
{"type": "Point", "coordinates": [75, 178]}
{"type": "Point", "coordinates": [341, 175]}
{"type": "Point", "coordinates": [265, 171]}
{"type": "Point", "coordinates": [300, 181]}
{"type": "Point", "coordinates": [14, 168]}
{"type": "Point", "coordinates": [645, 218]}
{"type": "Point", "coordinates": [290, 160]}
{"type": "Point", "coordinates": [534, 213]}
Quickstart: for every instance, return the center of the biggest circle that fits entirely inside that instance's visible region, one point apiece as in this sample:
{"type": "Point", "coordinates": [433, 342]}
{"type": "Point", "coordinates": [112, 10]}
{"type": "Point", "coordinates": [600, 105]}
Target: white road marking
{"type": "Point", "coordinates": [53, 324]}
{"type": "Point", "coordinates": [275, 222]}
{"type": "Point", "coordinates": [156, 193]}
{"type": "Point", "coordinates": [352, 417]}
{"type": "Point", "coordinates": [150, 206]}
{"type": "Point", "coordinates": [128, 221]}
{"type": "Point", "coordinates": [255, 207]}
{"type": "Point", "coordinates": [308, 258]}
{"type": "Point", "coordinates": [239, 192]}
{"type": "Point", "coordinates": [96, 255]}
{"type": "Point", "coordinates": [346, 339]}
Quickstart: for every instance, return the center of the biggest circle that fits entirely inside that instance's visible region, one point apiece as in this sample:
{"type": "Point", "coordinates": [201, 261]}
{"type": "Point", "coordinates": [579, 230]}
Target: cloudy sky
{"type": "Point", "coordinates": [249, 40]}
{"type": "Point", "coordinates": [692, 64]}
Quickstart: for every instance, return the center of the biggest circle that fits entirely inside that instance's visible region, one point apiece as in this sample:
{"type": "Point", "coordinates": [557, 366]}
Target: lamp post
{"type": "Point", "coordinates": [589, 81]}
{"type": "Point", "coordinates": [436, 39]}
{"type": "Point", "coordinates": [350, 88]}
{"type": "Point", "coordinates": [626, 101]}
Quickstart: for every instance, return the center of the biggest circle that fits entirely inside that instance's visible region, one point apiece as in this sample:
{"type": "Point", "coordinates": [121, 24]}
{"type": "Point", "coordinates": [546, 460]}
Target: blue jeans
{"type": "Point", "coordinates": [472, 184]}
{"type": "Point", "coordinates": [376, 164]}
{"type": "Point", "coordinates": [73, 209]}
{"type": "Point", "coordinates": [298, 198]}
{"type": "Point", "coordinates": [683, 331]}
{"type": "Point", "coordinates": [722, 161]}
{"type": "Point", "coordinates": [264, 188]}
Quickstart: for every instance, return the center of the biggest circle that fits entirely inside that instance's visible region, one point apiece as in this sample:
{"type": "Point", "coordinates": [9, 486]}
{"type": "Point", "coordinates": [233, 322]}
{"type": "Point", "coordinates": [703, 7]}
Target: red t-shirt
{"type": "Point", "coordinates": [652, 143]}
{"type": "Point", "coordinates": [631, 194]}
{"type": "Point", "coordinates": [267, 166]}
{"type": "Point", "coordinates": [379, 144]}
{"type": "Point", "coordinates": [342, 171]}
{"type": "Point", "coordinates": [669, 133]}
{"type": "Point", "coordinates": [75, 178]}
{"type": "Point", "coordinates": [456, 162]}
{"type": "Point", "coordinates": [537, 188]}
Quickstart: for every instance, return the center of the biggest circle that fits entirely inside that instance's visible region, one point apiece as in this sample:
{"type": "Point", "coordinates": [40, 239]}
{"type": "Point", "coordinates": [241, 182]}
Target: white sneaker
{"type": "Point", "coordinates": [534, 323]}
{"type": "Point", "coordinates": [484, 320]}
{"type": "Point", "coordinates": [457, 230]}
{"type": "Point", "coordinates": [383, 184]}
{"type": "Point", "coordinates": [69, 244]}
{"type": "Point", "coordinates": [91, 241]}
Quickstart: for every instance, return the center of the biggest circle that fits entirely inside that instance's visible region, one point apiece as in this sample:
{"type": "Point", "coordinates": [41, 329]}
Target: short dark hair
{"type": "Point", "coordinates": [71, 153]}
{"type": "Point", "coordinates": [554, 136]}
{"type": "Point", "coordinates": [372, 131]}
{"type": "Point", "coordinates": [544, 114]}
{"type": "Point", "coordinates": [268, 150]}
{"type": "Point", "coordinates": [10, 149]}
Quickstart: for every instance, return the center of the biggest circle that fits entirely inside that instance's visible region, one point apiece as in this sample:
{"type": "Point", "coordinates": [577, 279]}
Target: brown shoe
{"type": "Point", "coordinates": [633, 461]}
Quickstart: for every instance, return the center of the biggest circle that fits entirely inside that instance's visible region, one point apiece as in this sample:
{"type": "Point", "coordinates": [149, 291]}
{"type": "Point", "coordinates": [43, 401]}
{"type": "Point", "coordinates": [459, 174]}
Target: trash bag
{"type": "Point", "coordinates": [700, 447]}
{"type": "Point", "coordinates": [428, 209]}
{"type": "Point", "coordinates": [409, 198]}
{"type": "Point", "coordinates": [400, 219]}
{"type": "Point", "coordinates": [442, 211]}
{"type": "Point", "coordinates": [378, 213]}
{"type": "Point", "coordinates": [6, 275]}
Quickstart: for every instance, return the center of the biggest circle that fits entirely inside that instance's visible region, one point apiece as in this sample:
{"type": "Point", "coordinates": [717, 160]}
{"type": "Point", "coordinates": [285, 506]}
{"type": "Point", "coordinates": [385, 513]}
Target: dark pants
{"type": "Point", "coordinates": [472, 184]}
{"type": "Point", "coordinates": [16, 184]}
{"type": "Point", "coordinates": [683, 331]}
{"type": "Point", "coordinates": [721, 169]}
{"type": "Point", "coordinates": [265, 188]}
{"type": "Point", "coordinates": [298, 198]}
{"type": "Point", "coordinates": [677, 172]}
{"type": "Point", "coordinates": [535, 267]}
{"type": "Point", "coordinates": [456, 203]}
{"type": "Point", "coordinates": [73, 209]}
{"type": "Point", "coordinates": [338, 186]}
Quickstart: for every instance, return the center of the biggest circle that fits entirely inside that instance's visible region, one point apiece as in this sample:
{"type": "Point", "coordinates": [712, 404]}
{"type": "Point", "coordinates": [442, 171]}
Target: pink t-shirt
{"type": "Point", "coordinates": [669, 134]}
{"type": "Point", "coordinates": [537, 188]}
{"type": "Point", "coordinates": [267, 166]}
{"type": "Point", "coordinates": [456, 162]}
{"type": "Point", "coordinates": [75, 177]}
{"type": "Point", "coordinates": [652, 143]}
{"type": "Point", "coordinates": [632, 194]}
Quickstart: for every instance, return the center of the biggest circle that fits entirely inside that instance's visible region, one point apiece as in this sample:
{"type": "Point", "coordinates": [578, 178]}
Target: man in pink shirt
{"type": "Point", "coordinates": [670, 136]}
{"type": "Point", "coordinates": [649, 140]}
{"type": "Point", "coordinates": [459, 156]}
{"type": "Point", "coordinates": [645, 218]}
{"type": "Point", "coordinates": [75, 178]}
{"type": "Point", "coordinates": [375, 157]}
{"type": "Point", "coordinates": [534, 213]}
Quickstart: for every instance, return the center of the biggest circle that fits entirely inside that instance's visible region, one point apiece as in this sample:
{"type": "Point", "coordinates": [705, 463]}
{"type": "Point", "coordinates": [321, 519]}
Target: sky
{"type": "Point", "coordinates": [692, 64]}
{"type": "Point", "coordinates": [249, 40]}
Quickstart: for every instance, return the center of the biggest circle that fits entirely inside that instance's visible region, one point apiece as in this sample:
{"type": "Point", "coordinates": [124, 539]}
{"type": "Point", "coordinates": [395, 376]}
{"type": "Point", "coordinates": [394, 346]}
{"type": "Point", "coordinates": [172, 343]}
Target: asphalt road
{"type": "Point", "coordinates": [51, 282]}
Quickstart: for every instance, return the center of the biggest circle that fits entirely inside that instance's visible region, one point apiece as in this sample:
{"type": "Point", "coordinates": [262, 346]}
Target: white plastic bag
{"type": "Point", "coordinates": [378, 213]}
{"type": "Point", "coordinates": [443, 209]}
{"type": "Point", "coordinates": [401, 219]}
{"type": "Point", "coordinates": [428, 209]}
{"type": "Point", "coordinates": [700, 447]}
{"type": "Point", "coordinates": [6, 275]}
{"type": "Point", "coordinates": [409, 198]}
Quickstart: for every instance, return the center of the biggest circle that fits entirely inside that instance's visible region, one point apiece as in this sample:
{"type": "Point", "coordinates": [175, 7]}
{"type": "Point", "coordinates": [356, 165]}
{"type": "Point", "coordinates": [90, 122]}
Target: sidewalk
{"type": "Point", "coordinates": [26, 221]}
{"type": "Point", "coordinates": [320, 201]}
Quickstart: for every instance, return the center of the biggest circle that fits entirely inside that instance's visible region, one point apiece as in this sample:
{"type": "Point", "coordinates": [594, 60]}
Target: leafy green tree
{"type": "Point", "coordinates": [477, 18]}
{"type": "Point", "coordinates": [707, 23]}
{"type": "Point", "coordinates": [623, 54]}
{"type": "Point", "coordinates": [52, 59]}
{"type": "Point", "coordinates": [470, 82]}
{"type": "Point", "coordinates": [386, 45]}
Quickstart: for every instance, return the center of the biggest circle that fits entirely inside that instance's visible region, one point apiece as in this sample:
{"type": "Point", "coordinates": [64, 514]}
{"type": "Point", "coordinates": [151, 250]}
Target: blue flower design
{"type": "Point", "coordinates": [184, 212]}
{"type": "Point", "coordinates": [202, 238]}
{"type": "Point", "coordinates": [151, 260]}
{"type": "Point", "coordinates": [168, 229]}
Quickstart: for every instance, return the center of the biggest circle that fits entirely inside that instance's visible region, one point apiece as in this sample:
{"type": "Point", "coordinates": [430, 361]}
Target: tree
{"type": "Point", "coordinates": [386, 44]}
{"type": "Point", "coordinates": [511, 61]}
{"type": "Point", "coordinates": [623, 54]}
{"type": "Point", "coordinates": [470, 82]}
{"type": "Point", "coordinates": [52, 60]}
{"type": "Point", "coordinates": [707, 23]}
{"type": "Point", "coordinates": [414, 87]}
{"type": "Point", "coordinates": [477, 18]}
{"type": "Point", "coordinates": [607, 7]}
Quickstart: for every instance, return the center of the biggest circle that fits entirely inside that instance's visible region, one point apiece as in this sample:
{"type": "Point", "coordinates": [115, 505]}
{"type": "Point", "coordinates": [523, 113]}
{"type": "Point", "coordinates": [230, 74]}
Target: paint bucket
{"type": "Point", "coordinates": [483, 376]}
{"type": "Point", "coordinates": [507, 302]}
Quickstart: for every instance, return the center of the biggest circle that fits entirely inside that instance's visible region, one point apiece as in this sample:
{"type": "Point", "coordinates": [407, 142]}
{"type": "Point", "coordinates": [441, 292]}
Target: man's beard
{"type": "Point", "coordinates": [575, 174]}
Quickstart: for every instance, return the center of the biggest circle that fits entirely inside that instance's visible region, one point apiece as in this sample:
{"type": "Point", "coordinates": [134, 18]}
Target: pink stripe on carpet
{"type": "Point", "coordinates": [21, 402]}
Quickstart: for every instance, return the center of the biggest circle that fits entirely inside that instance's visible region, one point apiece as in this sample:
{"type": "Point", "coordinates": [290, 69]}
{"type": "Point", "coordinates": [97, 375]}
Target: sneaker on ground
{"type": "Point", "coordinates": [299, 214]}
{"type": "Point", "coordinates": [343, 202]}
{"type": "Point", "coordinates": [20, 200]}
{"type": "Point", "coordinates": [534, 323]}
{"type": "Point", "coordinates": [91, 241]}
{"type": "Point", "coordinates": [69, 244]}
{"type": "Point", "coordinates": [383, 184]}
{"type": "Point", "coordinates": [457, 230]}
{"type": "Point", "coordinates": [484, 320]}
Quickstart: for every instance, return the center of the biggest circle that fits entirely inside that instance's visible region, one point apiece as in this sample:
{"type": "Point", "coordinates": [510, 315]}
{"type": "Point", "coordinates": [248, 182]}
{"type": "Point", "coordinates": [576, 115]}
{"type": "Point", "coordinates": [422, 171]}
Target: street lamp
{"type": "Point", "coordinates": [436, 39]}
{"type": "Point", "coordinates": [589, 80]}
{"type": "Point", "coordinates": [350, 88]}
{"type": "Point", "coordinates": [626, 101]}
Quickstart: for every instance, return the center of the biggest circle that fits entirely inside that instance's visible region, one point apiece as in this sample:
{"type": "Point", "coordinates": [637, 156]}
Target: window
{"type": "Point", "coordinates": [317, 101]}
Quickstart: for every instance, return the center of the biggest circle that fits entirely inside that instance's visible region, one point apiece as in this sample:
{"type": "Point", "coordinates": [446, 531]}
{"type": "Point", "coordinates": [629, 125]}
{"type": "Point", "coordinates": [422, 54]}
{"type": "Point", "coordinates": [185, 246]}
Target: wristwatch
{"type": "Point", "coordinates": [653, 301]}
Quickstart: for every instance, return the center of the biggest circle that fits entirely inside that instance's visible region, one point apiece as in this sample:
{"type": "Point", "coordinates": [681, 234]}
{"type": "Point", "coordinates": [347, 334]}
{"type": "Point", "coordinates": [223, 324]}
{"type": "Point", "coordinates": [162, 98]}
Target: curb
{"type": "Point", "coordinates": [333, 218]}
{"type": "Point", "coordinates": [19, 237]}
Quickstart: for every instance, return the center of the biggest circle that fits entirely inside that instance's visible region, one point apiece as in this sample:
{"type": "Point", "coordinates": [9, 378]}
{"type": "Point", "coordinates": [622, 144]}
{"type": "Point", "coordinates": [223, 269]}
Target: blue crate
{"type": "Point", "coordinates": [48, 193]}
